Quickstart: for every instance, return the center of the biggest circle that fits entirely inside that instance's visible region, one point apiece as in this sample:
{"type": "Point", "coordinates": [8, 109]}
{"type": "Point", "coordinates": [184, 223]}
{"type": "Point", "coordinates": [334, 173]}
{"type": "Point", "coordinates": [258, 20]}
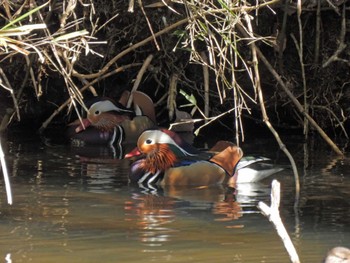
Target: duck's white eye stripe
{"type": "Point", "coordinates": [105, 105]}
{"type": "Point", "coordinates": [160, 137]}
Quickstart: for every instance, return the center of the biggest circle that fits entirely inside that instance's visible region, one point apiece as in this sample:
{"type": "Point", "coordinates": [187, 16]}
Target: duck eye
{"type": "Point", "coordinates": [148, 141]}
{"type": "Point", "coordinates": [97, 112]}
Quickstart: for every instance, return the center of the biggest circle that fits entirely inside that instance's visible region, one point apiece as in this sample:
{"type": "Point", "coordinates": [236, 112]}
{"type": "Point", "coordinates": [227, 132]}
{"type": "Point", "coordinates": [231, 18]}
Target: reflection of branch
{"type": "Point", "coordinates": [272, 213]}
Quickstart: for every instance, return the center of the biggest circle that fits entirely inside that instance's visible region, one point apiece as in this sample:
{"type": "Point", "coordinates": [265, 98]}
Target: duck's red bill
{"type": "Point", "coordinates": [82, 125]}
{"type": "Point", "coordinates": [133, 153]}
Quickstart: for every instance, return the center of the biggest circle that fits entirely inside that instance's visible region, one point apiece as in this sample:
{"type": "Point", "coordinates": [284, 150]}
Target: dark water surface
{"type": "Point", "coordinates": [69, 208]}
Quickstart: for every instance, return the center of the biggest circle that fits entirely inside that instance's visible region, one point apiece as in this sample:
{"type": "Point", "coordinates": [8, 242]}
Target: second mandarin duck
{"type": "Point", "coordinates": [109, 123]}
{"type": "Point", "coordinates": [169, 160]}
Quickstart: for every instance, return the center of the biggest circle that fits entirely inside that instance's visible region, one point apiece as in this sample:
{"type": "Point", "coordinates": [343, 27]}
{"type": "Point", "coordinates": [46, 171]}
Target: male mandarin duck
{"type": "Point", "coordinates": [169, 160]}
{"type": "Point", "coordinates": [111, 122]}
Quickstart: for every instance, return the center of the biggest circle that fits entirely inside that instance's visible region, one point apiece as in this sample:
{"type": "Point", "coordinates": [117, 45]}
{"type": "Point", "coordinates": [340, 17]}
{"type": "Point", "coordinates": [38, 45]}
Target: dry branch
{"type": "Point", "coordinates": [163, 31]}
{"type": "Point", "coordinates": [139, 76]}
{"type": "Point", "coordinates": [6, 176]}
{"type": "Point", "coordinates": [272, 213]}
{"type": "Point", "coordinates": [342, 45]}
{"type": "Point", "coordinates": [265, 117]}
{"type": "Point", "coordinates": [297, 104]}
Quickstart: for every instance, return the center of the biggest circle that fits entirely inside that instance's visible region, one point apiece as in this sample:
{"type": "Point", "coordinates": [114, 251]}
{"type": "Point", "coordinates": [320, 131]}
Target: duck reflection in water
{"type": "Point", "coordinates": [156, 215]}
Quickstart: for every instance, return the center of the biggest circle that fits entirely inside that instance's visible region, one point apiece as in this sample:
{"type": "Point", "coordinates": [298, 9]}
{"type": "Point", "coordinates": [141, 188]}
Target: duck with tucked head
{"type": "Point", "coordinates": [169, 160]}
{"type": "Point", "coordinates": [109, 122]}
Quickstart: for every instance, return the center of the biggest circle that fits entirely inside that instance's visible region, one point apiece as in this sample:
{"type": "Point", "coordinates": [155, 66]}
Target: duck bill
{"type": "Point", "coordinates": [83, 124]}
{"type": "Point", "coordinates": [133, 153]}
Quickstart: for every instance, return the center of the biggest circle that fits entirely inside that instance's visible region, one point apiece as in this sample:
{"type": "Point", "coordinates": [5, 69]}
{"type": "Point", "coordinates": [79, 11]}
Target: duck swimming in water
{"type": "Point", "coordinates": [110, 122]}
{"type": "Point", "coordinates": [169, 160]}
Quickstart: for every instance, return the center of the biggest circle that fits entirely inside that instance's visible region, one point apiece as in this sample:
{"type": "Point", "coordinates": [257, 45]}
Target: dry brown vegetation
{"type": "Point", "coordinates": [284, 63]}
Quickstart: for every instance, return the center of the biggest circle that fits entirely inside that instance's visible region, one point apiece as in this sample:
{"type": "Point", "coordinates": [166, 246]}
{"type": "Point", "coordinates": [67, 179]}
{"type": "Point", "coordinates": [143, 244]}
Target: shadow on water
{"type": "Point", "coordinates": [73, 205]}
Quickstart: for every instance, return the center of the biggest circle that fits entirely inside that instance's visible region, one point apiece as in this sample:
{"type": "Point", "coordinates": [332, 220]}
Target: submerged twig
{"type": "Point", "coordinates": [272, 213]}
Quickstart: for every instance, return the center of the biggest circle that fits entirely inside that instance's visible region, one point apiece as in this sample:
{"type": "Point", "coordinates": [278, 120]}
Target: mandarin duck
{"type": "Point", "coordinates": [169, 160]}
{"type": "Point", "coordinates": [338, 255]}
{"type": "Point", "coordinates": [109, 122]}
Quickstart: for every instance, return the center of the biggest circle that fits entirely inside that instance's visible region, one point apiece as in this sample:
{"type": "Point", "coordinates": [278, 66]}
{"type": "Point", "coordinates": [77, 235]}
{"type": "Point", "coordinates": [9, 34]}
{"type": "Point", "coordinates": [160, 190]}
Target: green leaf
{"type": "Point", "coordinates": [24, 16]}
{"type": "Point", "coordinates": [188, 97]}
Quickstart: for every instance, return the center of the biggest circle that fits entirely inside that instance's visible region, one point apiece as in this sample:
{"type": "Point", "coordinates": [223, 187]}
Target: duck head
{"type": "Point", "coordinates": [162, 148]}
{"type": "Point", "coordinates": [105, 115]}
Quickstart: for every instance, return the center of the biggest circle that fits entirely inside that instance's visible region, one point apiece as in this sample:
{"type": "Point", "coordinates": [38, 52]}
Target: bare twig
{"type": "Point", "coordinates": [341, 124]}
{"type": "Point", "coordinates": [318, 33]}
{"type": "Point", "coordinates": [149, 24]}
{"type": "Point", "coordinates": [131, 6]}
{"type": "Point", "coordinates": [342, 45]}
{"type": "Point", "coordinates": [172, 92]}
{"type": "Point", "coordinates": [272, 213]}
{"type": "Point", "coordinates": [297, 103]}
{"type": "Point", "coordinates": [266, 118]}
{"type": "Point", "coordinates": [139, 76]}
{"type": "Point", "coordinates": [300, 49]}
{"type": "Point", "coordinates": [161, 32]}
{"type": "Point", "coordinates": [6, 176]}
{"type": "Point", "coordinates": [206, 84]}
{"type": "Point", "coordinates": [8, 87]}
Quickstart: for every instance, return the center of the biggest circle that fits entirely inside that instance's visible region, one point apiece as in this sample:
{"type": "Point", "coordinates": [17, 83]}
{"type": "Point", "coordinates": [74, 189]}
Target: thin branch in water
{"type": "Point", "coordinates": [273, 214]}
{"type": "Point", "coordinates": [6, 176]}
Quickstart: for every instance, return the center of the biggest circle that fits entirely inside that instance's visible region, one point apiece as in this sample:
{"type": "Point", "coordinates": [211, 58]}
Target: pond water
{"type": "Point", "coordinates": [70, 206]}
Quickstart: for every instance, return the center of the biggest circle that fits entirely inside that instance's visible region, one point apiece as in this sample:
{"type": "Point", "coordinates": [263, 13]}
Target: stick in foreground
{"type": "Point", "coordinates": [6, 176]}
{"type": "Point", "coordinates": [272, 213]}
